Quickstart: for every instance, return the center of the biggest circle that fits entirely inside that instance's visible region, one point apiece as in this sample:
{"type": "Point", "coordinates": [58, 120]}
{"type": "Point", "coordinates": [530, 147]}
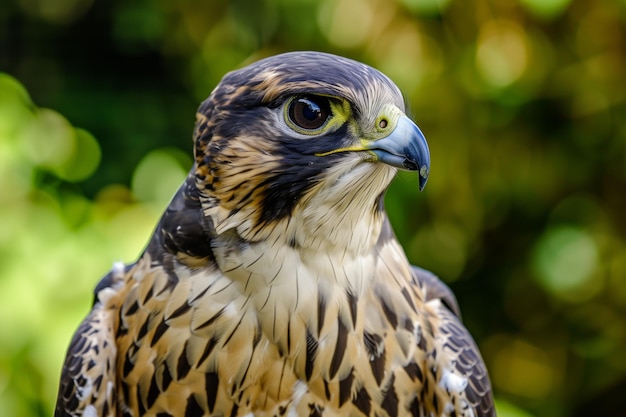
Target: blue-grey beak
{"type": "Point", "coordinates": [405, 148]}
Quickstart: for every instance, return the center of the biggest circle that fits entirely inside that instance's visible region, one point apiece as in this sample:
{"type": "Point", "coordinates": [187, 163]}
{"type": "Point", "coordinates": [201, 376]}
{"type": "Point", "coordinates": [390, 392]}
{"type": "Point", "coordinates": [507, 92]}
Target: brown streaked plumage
{"type": "Point", "coordinates": [273, 284]}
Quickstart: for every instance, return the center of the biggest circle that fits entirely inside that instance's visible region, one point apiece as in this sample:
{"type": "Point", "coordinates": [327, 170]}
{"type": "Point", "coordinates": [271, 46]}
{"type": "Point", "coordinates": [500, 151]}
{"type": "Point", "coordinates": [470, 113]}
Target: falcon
{"type": "Point", "coordinates": [273, 284]}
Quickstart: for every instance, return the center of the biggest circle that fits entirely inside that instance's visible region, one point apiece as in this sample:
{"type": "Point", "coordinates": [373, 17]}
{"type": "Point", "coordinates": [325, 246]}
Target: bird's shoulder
{"type": "Point", "coordinates": [434, 288]}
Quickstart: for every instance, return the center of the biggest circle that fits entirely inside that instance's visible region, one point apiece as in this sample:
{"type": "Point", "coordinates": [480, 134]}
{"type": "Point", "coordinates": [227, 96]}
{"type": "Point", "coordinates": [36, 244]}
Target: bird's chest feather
{"type": "Point", "coordinates": [270, 333]}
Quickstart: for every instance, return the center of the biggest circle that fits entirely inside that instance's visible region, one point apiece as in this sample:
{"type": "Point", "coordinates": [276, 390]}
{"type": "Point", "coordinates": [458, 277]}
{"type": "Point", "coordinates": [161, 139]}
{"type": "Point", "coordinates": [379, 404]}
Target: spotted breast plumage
{"type": "Point", "coordinates": [273, 284]}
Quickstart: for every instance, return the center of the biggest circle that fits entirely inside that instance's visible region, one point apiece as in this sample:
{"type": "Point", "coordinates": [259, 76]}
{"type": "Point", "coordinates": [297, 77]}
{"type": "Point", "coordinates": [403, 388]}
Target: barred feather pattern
{"type": "Point", "coordinates": [202, 347]}
{"type": "Point", "coordinates": [273, 284]}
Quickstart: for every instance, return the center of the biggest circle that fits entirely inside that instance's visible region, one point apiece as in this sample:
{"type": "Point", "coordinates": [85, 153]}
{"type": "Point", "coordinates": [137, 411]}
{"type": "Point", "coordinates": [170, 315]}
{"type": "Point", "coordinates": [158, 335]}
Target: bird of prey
{"type": "Point", "coordinates": [273, 284]}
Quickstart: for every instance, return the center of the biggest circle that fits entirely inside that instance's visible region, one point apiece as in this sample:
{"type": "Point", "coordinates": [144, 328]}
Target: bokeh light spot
{"type": "Point", "coordinates": [58, 11]}
{"type": "Point", "coordinates": [408, 56]}
{"type": "Point", "coordinates": [506, 409]}
{"type": "Point", "coordinates": [346, 23]}
{"type": "Point", "coordinates": [440, 248]}
{"type": "Point", "coordinates": [502, 53]}
{"type": "Point", "coordinates": [565, 259]}
{"type": "Point", "coordinates": [158, 175]}
{"type": "Point", "coordinates": [15, 107]}
{"type": "Point", "coordinates": [546, 8]}
{"type": "Point", "coordinates": [427, 7]}
{"type": "Point", "coordinates": [84, 159]}
{"type": "Point", "coordinates": [522, 369]}
{"type": "Point", "coordinates": [49, 140]}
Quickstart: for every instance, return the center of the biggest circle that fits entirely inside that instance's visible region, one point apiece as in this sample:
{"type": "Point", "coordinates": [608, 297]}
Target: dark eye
{"type": "Point", "coordinates": [309, 112]}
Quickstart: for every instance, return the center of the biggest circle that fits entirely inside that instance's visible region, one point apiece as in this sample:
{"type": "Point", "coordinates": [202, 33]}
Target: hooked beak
{"type": "Point", "coordinates": [404, 148]}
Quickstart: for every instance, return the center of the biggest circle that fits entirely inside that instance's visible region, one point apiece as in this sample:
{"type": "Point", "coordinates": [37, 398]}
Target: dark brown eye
{"type": "Point", "coordinates": [309, 112]}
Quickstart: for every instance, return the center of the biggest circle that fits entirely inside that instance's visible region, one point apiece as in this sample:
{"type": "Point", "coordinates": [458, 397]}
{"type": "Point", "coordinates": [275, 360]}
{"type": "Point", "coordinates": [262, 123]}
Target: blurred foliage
{"type": "Point", "coordinates": [523, 103]}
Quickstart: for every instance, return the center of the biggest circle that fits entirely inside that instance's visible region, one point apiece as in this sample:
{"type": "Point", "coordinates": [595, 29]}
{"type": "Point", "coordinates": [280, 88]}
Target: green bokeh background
{"type": "Point", "coordinates": [523, 103]}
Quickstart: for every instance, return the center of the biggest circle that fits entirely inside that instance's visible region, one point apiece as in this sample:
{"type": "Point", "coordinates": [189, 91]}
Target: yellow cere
{"type": "Point", "coordinates": [389, 116]}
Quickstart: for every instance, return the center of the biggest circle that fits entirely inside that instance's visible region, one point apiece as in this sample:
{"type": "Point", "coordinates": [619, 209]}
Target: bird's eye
{"type": "Point", "coordinates": [309, 112]}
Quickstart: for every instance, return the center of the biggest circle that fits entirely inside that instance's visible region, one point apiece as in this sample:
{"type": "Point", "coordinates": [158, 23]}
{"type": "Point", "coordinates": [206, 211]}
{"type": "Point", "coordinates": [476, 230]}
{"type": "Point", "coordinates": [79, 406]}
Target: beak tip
{"type": "Point", "coordinates": [423, 173]}
{"type": "Point", "coordinates": [422, 182]}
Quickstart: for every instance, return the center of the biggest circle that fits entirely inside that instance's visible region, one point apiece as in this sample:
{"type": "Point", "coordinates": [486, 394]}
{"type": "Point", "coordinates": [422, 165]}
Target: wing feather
{"type": "Point", "coordinates": [464, 370]}
{"type": "Point", "coordinates": [468, 362]}
{"type": "Point", "coordinates": [87, 386]}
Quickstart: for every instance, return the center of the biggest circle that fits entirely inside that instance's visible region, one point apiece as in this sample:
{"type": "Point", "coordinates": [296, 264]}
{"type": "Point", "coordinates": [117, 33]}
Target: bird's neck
{"type": "Point", "coordinates": [299, 259]}
{"type": "Point", "coordinates": [330, 238]}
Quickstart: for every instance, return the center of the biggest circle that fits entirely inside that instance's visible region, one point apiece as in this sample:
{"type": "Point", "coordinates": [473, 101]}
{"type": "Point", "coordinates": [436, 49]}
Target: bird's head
{"type": "Point", "coordinates": [302, 143]}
